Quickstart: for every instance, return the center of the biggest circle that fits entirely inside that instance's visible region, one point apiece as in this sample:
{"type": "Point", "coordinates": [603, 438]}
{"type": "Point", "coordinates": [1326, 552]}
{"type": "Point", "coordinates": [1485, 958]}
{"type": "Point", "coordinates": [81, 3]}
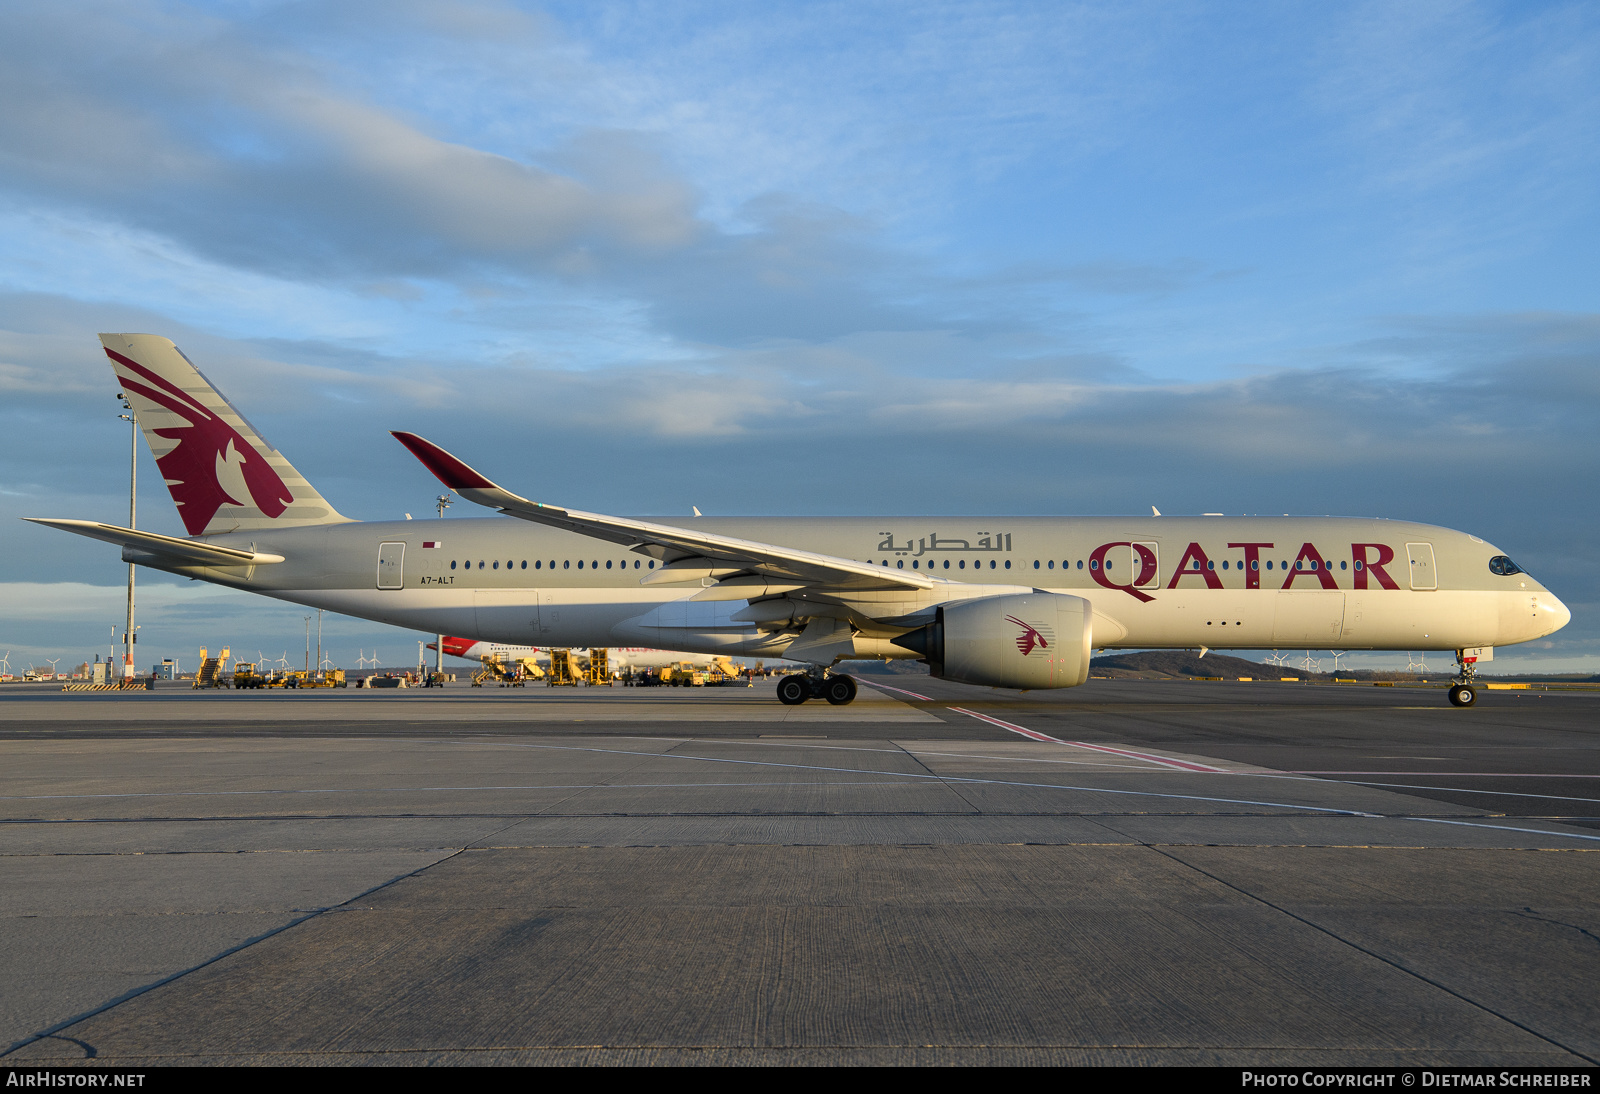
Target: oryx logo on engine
{"type": "Point", "coordinates": [1032, 636]}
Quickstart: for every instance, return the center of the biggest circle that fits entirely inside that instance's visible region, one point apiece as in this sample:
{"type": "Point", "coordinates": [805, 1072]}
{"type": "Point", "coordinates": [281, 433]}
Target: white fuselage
{"type": "Point", "coordinates": [1262, 583]}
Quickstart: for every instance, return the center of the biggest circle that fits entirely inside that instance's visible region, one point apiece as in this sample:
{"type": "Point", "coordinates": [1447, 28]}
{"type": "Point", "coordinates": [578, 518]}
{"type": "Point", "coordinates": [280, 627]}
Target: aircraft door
{"type": "Point", "coordinates": [1423, 574]}
{"type": "Point", "coordinates": [391, 565]}
{"type": "Point", "coordinates": [1135, 565]}
{"type": "Point", "coordinates": [1145, 564]}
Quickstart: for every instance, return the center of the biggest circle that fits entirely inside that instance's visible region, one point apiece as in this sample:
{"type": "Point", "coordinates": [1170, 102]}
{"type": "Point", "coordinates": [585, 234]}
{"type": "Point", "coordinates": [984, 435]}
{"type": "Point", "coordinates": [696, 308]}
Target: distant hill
{"type": "Point", "coordinates": [1166, 664]}
{"type": "Point", "coordinates": [1188, 664]}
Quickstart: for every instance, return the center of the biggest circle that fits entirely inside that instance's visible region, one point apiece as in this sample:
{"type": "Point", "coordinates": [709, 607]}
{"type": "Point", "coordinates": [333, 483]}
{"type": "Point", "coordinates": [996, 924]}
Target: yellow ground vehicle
{"type": "Point", "coordinates": [507, 674]}
{"type": "Point", "coordinates": [599, 671]}
{"type": "Point", "coordinates": [564, 669]}
{"type": "Point", "coordinates": [724, 673]}
{"type": "Point", "coordinates": [212, 669]}
{"type": "Point", "coordinates": [246, 676]}
{"type": "Point", "coordinates": [685, 674]}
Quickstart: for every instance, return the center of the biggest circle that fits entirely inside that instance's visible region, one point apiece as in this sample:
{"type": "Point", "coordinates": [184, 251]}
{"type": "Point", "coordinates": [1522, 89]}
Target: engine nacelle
{"type": "Point", "coordinates": [1024, 641]}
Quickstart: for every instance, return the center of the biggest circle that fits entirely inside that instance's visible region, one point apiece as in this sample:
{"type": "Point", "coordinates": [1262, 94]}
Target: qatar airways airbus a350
{"type": "Point", "coordinates": [1011, 602]}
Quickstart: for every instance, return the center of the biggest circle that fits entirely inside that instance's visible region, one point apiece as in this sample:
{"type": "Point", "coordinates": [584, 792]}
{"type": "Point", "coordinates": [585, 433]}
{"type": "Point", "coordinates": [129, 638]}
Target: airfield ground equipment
{"type": "Point", "coordinates": [599, 671]}
{"type": "Point", "coordinates": [564, 669]}
{"type": "Point", "coordinates": [502, 673]}
{"type": "Point", "coordinates": [212, 669]}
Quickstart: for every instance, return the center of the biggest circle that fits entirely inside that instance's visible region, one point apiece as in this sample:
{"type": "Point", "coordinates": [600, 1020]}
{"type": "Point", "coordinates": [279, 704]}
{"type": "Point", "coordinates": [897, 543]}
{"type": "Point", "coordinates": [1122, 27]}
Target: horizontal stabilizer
{"type": "Point", "coordinates": [184, 552]}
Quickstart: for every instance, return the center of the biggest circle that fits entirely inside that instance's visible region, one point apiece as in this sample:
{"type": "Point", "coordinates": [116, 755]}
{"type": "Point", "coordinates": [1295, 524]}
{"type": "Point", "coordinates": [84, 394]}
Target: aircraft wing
{"type": "Point", "coordinates": [182, 552]}
{"type": "Point", "coordinates": [679, 547]}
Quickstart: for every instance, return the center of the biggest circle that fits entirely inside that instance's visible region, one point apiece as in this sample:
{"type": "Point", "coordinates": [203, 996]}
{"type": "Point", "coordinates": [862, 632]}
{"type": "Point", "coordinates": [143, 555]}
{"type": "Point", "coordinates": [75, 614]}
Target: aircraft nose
{"type": "Point", "coordinates": [1557, 614]}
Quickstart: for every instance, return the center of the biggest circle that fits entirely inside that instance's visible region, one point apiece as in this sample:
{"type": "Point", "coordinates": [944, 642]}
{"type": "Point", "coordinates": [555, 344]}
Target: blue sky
{"type": "Point", "coordinates": [819, 258]}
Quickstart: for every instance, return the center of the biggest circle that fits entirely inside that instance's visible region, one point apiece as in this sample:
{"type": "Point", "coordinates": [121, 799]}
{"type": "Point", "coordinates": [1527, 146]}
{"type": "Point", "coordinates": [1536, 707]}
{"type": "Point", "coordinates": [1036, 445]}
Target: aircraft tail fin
{"type": "Point", "coordinates": [223, 475]}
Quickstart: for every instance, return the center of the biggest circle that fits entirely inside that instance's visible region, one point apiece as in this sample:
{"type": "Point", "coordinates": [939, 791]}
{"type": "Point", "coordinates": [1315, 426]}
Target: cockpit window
{"type": "Point", "coordinates": [1502, 565]}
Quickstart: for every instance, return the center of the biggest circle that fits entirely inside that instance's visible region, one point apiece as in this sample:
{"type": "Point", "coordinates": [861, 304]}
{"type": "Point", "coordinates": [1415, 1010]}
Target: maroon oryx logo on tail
{"type": "Point", "coordinates": [1030, 638]}
{"type": "Point", "coordinates": [212, 465]}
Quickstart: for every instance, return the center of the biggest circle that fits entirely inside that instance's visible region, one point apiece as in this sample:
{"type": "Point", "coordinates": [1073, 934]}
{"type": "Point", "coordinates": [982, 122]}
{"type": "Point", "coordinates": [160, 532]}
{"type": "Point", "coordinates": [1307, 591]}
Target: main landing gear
{"type": "Point", "coordinates": [1462, 693]}
{"type": "Point", "coordinates": [794, 690]}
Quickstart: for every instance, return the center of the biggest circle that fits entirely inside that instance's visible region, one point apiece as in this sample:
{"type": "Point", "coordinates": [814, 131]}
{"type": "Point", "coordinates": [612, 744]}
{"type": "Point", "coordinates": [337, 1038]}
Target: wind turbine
{"type": "Point", "coordinates": [53, 661]}
{"type": "Point", "coordinates": [5, 664]}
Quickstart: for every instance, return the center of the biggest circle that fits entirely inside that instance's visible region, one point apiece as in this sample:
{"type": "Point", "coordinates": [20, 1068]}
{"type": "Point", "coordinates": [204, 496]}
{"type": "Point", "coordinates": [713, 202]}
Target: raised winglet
{"type": "Point", "coordinates": [445, 467]}
{"type": "Point", "coordinates": [469, 484]}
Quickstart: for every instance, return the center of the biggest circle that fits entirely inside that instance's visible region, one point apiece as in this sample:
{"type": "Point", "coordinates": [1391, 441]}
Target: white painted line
{"type": "Point", "coordinates": [1499, 827]}
{"type": "Point", "coordinates": [1454, 774]}
{"type": "Point", "coordinates": [1164, 761]}
{"type": "Point", "coordinates": [919, 776]}
{"type": "Point", "coordinates": [1035, 735]}
{"type": "Point", "coordinates": [902, 691]}
{"type": "Point", "coordinates": [1031, 734]}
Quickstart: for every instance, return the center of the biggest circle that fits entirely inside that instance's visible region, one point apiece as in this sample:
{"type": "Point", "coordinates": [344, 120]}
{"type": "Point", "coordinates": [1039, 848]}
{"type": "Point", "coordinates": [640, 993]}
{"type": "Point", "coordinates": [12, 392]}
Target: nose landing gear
{"type": "Point", "coordinates": [1462, 692]}
{"type": "Point", "coordinates": [837, 690]}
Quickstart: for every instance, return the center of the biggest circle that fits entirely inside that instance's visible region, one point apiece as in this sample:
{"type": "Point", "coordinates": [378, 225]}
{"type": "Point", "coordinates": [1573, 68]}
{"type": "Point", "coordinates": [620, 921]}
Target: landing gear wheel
{"type": "Point", "coordinates": [839, 690]}
{"type": "Point", "coordinates": [1463, 695]}
{"type": "Point", "coordinates": [793, 690]}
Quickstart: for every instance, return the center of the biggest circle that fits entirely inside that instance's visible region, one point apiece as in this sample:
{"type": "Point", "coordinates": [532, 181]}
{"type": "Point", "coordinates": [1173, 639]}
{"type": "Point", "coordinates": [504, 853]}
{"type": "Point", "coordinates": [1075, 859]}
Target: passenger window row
{"type": "Point", "coordinates": [961, 564]}
{"type": "Point", "coordinates": [1300, 564]}
{"type": "Point", "coordinates": [539, 564]}
{"type": "Point", "coordinates": [1068, 564]}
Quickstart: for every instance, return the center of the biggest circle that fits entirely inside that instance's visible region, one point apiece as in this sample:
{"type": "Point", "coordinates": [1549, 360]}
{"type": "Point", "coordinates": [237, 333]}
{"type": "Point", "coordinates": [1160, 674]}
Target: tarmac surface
{"type": "Point", "coordinates": [1126, 872]}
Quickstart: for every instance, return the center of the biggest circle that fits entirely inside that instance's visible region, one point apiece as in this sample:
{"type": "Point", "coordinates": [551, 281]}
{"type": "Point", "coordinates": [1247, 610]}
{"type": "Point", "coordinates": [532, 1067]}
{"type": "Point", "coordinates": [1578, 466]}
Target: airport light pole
{"type": "Point", "coordinates": [308, 643]}
{"type": "Point", "coordinates": [443, 501]}
{"type": "Point", "coordinates": [128, 636]}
